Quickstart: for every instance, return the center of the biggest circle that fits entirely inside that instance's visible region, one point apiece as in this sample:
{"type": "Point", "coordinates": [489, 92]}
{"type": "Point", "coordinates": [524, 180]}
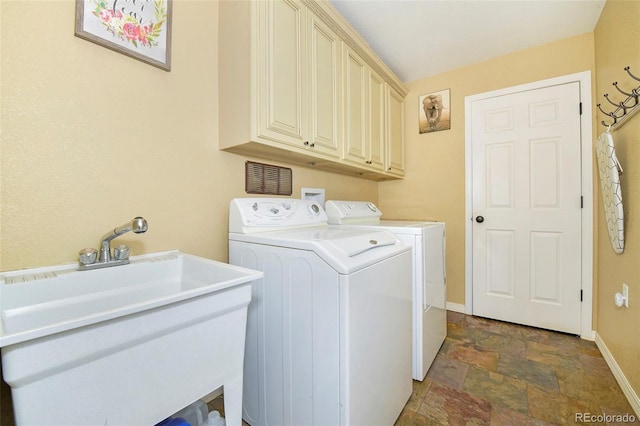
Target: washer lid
{"type": "Point", "coordinates": [345, 249]}
{"type": "Point", "coordinates": [355, 244]}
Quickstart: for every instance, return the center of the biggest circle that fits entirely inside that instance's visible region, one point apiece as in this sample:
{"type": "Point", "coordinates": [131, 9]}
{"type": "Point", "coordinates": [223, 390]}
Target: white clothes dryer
{"type": "Point", "coordinates": [428, 241]}
{"type": "Point", "coordinates": [329, 325]}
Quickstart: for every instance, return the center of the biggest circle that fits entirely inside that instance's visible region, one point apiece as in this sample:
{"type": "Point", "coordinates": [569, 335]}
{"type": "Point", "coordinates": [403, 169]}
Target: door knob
{"type": "Point", "coordinates": [479, 219]}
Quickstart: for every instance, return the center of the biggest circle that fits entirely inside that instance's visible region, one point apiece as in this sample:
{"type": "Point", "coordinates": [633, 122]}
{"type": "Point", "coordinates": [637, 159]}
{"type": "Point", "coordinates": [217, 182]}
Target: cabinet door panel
{"type": "Point", "coordinates": [376, 121]}
{"type": "Point", "coordinates": [325, 86]}
{"type": "Point", "coordinates": [395, 133]}
{"type": "Point", "coordinates": [281, 80]}
{"type": "Point", "coordinates": [355, 108]}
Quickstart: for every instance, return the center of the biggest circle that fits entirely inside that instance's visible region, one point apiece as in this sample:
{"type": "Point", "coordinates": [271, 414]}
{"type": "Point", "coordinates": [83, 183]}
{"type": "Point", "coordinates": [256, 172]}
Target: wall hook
{"type": "Point", "coordinates": [624, 109]}
{"type": "Point", "coordinates": [610, 114]}
{"type": "Point", "coordinates": [634, 93]}
{"type": "Point", "coordinates": [620, 105]}
{"type": "Point", "coordinates": [628, 70]}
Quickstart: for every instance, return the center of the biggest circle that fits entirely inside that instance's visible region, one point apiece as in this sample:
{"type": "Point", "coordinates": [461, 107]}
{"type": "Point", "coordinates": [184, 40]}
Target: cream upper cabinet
{"type": "Point", "coordinates": [298, 78]}
{"type": "Point", "coordinates": [394, 160]}
{"type": "Point", "coordinates": [280, 72]}
{"type": "Point", "coordinates": [285, 92]}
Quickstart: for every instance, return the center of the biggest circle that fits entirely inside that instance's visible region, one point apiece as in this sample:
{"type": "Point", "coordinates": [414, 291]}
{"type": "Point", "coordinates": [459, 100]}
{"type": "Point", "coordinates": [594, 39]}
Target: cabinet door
{"type": "Point", "coordinates": [376, 121]}
{"type": "Point", "coordinates": [324, 86]}
{"type": "Point", "coordinates": [355, 110]}
{"type": "Point", "coordinates": [281, 71]}
{"type": "Point", "coordinates": [395, 133]}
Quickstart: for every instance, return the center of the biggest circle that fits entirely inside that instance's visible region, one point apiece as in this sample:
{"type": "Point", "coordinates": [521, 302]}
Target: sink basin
{"type": "Point", "coordinates": [43, 301]}
{"type": "Point", "coordinates": [129, 344]}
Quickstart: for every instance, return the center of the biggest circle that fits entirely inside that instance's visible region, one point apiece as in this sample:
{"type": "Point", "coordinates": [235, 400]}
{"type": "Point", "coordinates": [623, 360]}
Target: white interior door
{"type": "Point", "coordinates": [526, 205]}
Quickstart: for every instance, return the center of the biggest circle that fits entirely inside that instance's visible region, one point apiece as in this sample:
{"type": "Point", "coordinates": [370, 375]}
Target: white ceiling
{"type": "Point", "coordinates": [420, 38]}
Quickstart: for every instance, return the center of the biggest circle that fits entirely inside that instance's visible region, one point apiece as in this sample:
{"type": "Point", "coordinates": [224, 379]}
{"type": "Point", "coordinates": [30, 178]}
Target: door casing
{"type": "Point", "coordinates": [586, 137]}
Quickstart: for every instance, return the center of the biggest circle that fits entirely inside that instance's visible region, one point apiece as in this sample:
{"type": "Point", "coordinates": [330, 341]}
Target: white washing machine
{"type": "Point", "coordinates": [428, 241]}
{"type": "Point", "coordinates": [329, 325]}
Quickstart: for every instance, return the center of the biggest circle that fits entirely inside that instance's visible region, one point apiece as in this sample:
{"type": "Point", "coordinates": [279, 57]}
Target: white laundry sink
{"type": "Point", "coordinates": [129, 344]}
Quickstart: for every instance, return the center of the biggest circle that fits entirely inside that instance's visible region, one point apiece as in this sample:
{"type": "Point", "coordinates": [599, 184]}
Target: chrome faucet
{"type": "Point", "coordinates": [87, 257]}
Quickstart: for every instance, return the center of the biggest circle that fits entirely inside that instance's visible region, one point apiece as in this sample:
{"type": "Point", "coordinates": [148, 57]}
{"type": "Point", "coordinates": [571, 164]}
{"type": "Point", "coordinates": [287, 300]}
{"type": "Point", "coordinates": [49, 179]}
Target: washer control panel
{"type": "Point", "coordinates": [263, 214]}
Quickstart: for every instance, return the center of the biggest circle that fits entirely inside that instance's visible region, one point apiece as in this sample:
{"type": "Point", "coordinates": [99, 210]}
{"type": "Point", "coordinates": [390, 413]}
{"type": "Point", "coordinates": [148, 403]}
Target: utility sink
{"type": "Point", "coordinates": [129, 344]}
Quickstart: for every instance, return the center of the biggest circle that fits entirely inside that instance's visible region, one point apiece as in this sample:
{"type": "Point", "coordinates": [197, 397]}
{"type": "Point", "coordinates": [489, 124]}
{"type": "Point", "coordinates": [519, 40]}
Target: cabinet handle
{"type": "Point", "coordinates": [306, 143]}
{"type": "Point", "coordinates": [312, 145]}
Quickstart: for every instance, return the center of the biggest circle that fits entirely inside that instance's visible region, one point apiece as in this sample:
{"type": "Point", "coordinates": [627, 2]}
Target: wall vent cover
{"type": "Point", "coordinates": [267, 179]}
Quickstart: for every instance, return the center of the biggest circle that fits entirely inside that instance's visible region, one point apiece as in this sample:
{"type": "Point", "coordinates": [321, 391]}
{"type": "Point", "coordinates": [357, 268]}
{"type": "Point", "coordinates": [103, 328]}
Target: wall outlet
{"type": "Point", "coordinates": [625, 294]}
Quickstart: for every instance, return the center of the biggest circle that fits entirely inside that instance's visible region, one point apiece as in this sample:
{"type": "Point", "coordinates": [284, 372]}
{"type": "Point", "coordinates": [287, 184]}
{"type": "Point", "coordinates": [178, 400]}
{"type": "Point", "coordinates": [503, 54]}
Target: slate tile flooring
{"type": "Point", "coordinates": [495, 373]}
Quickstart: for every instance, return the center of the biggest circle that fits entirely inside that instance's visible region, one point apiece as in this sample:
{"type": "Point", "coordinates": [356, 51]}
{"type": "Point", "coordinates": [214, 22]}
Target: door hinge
{"type": "Point", "coordinates": [582, 201]}
{"type": "Point", "coordinates": [581, 295]}
{"type": "Point", "coordinates": [580, 108]}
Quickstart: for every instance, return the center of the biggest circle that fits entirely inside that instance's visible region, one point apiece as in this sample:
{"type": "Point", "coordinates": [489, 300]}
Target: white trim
{"type": "Point", "coordinates": [456, 307]}
{"type": "Point", "coordinates": [584, 80]}
{"type": "Point", "coordinates": [591, 336]}
{"type": "Point", "coordinates": [628, 391]}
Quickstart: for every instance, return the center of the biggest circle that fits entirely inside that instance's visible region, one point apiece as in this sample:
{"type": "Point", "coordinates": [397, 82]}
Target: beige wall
{"type": "Point", "coordinates": [434, 186]}
{"type": "Point", "coordinates": [617, 45]}
{"type": "Point", "coordinates": [92, 138]}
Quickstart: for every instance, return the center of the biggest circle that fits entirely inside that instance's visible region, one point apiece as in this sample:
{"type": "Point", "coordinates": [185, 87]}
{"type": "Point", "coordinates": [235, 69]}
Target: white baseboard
{"type": "Point", "coordinates": [628, 391]}
{"type": "Point", "coordinates": [589, 335]}
{"type": "Point", "coordinates": [455, 307]}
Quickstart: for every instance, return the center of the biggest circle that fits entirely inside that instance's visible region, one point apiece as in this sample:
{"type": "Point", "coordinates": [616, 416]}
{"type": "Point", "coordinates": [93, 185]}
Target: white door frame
{"type": "Point", "coordinates": [586, 127]}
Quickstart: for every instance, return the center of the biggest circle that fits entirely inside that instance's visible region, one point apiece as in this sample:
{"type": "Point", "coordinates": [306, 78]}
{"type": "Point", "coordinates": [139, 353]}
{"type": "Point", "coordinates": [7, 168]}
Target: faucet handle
{"type": "Point", "coordinates": [87, 256]}
{"type": "Point", "coordinates": [121, 252]}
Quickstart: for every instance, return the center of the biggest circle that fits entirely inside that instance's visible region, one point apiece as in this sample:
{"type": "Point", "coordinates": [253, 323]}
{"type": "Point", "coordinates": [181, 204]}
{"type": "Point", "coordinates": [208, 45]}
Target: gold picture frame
{"type": "Point", "coordinates": [140, 29]}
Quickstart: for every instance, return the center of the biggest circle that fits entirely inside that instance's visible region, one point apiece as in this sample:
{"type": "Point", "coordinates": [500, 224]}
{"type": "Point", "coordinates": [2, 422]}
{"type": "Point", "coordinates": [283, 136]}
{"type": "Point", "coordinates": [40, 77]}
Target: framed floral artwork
{"type": "Point", "coordinates": [137, 28]}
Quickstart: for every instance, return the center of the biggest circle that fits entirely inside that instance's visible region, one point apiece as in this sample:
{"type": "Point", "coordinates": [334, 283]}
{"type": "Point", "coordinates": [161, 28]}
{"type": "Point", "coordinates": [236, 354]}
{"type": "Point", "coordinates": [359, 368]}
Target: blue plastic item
{"type": "Point", "coordinates": [177, 421]}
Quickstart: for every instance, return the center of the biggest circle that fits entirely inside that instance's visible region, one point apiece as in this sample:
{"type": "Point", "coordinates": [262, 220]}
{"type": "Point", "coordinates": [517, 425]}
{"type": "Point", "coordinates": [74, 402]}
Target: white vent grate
{"type": "Point", "coordinates": [267, 179]}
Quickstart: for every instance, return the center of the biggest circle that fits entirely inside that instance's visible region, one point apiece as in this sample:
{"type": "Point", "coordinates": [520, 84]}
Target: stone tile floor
{"type": "Point", "coordinates": [495, 373]}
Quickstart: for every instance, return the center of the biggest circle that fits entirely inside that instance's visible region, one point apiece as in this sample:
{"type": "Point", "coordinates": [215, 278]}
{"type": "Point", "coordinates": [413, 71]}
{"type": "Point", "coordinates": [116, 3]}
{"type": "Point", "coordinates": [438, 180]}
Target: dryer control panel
{"type": "Point", "coordinates": [247, 215]}
{"type": "Point", "coordinates": [352, 212]}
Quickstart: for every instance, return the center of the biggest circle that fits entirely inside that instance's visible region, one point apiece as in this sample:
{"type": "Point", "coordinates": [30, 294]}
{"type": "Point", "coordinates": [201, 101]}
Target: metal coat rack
{"type": "Point", "coordinates": [624, 109]}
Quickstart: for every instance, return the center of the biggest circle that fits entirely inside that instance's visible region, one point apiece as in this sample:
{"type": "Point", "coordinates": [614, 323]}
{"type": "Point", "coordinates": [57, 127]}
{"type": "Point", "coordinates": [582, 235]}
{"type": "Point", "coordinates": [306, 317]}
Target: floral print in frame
{"type": "Point", "coordinates": [137, 28]}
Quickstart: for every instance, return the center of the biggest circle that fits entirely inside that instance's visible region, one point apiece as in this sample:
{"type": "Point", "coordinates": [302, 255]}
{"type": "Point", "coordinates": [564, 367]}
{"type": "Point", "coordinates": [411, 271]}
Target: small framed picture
{"type": "Point", "coordinates": [435, 111]}
{"type": "Point", "coordinates": [140, 29]}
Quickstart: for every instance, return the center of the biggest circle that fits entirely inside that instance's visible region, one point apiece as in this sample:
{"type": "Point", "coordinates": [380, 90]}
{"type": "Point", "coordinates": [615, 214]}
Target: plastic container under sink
{"type": "Point", "coordinates": [214, 419]}
{"type": "Point", "coordinates": [196, 414]}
